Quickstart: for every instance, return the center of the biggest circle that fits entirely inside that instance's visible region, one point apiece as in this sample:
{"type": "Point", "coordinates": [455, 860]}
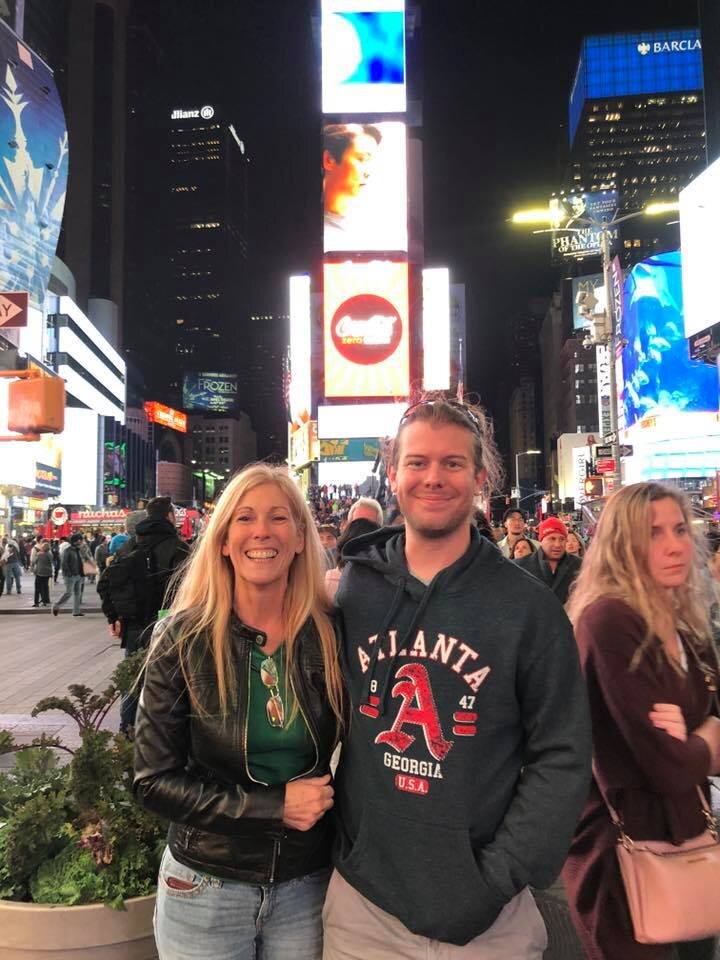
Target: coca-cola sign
{"type": "Point", "coordinates": [366, 329]}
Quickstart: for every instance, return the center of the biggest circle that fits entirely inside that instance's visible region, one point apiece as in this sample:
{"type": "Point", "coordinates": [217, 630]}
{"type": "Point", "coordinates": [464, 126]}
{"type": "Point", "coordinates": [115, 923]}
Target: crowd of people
{"type": "Point", "coordinates": [507, 706]}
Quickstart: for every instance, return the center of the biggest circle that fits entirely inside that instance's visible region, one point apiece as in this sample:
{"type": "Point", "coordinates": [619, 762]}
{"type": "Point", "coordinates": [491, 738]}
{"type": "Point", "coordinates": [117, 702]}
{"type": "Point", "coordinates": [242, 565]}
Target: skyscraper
{"type": "Point", "coordinates": [636, 123]}
{"type": "Point", "coordinates": [710, 30]}
{"type": "Point", "coordinates": [206, 230]}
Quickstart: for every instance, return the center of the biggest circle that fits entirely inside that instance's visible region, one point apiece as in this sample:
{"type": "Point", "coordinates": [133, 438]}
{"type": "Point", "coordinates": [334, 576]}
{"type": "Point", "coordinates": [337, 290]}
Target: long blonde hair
{"type": "Point", "coordinates": [202, 606]}
{"type": "Point", "coordinates": [616, 565]}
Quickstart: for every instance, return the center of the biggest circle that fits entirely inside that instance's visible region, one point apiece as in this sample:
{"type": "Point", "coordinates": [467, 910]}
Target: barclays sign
{"type": "Point", "coordinates": [668, 46]}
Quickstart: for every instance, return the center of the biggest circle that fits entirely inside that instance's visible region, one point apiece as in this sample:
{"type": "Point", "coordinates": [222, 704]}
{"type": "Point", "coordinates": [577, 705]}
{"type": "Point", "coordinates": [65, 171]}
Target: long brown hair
{"type": "Point", "coordinates": [202, 606]}
{"type": "Point", "coordinates": [616, 565]}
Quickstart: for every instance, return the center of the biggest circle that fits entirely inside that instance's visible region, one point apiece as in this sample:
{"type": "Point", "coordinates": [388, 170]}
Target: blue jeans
{"type": "Point", "coordinates": [217, 919]}
{"type": "Point", "coordinates": [73, 586]}
{"type": "Point", "coordinates": [13, 570]}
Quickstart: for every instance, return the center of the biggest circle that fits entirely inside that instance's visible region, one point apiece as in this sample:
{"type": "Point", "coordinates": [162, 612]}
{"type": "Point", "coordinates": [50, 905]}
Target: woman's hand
{"type": "Point", "coordinates": [669, 717]}
{"type": "Point", "coordinates": [306, 801]}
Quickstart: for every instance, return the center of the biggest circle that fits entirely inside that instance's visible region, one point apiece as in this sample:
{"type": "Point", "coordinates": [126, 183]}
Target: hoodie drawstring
{"type": "Point", "coordinates": [369, 701]}
{"type": "Point", "coordinates": [401, 646]}
{"type": "Point", "coordinates": [373, 705]}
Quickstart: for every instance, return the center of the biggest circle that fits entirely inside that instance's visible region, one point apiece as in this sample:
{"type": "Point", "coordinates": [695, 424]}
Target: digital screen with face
{"type": "Point", "coordinates": [363, 56]}
{"type": "Point", "coordinates": [364, 187]}
{"type": "Point", "coordinates": [366, 341]}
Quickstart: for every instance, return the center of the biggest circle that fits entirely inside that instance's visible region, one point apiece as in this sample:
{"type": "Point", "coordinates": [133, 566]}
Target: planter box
{"type": "Point", "coordinates": [39, 931]}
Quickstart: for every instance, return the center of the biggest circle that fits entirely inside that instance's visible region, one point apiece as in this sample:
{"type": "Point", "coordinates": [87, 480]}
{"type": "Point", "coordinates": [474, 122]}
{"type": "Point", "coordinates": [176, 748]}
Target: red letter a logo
{"type": "Point", "coordinates": [415, 688]}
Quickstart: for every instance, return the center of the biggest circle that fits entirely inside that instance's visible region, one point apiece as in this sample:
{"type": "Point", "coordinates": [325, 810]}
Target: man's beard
{"type": "Point", "coordinates": [437, 533]}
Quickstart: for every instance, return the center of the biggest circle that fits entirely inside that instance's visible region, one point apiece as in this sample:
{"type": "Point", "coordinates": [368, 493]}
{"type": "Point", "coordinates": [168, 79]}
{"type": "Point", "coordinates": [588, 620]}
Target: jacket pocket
{"type": "Point", "coordinates": [425, 874]}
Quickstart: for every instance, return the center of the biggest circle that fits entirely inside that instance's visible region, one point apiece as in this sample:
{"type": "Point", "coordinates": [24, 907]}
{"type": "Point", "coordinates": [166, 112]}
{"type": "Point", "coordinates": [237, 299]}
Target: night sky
{"type": "Point", "coordinates": [495, 84]}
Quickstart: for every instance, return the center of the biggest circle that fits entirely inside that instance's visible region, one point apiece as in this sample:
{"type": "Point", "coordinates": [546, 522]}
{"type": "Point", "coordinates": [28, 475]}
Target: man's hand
{"type": "Point", "coordinates": [115, 628]}
{"type": "Point", "coordinates": [306, 801]}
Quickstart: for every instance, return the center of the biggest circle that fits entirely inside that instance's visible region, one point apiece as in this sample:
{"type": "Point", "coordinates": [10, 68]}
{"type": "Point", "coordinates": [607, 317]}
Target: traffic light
{"type": "Point", "coordinates": [593, 487]}
{"type": "Point", "coordinates": [36, 405]}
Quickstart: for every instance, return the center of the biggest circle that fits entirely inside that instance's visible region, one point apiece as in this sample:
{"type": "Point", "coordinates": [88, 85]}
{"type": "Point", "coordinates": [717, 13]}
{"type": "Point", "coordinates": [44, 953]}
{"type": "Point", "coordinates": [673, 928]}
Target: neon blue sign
{"type": "Point", "coordinates": [617, 65]}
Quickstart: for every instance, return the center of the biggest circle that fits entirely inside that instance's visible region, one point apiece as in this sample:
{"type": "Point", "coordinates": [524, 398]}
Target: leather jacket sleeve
{"type": "Point", "coordinates": [163, 783]}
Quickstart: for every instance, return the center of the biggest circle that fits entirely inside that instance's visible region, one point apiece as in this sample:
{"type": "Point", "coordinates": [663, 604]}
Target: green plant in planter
{"type": "Point", "coordinates": [72, 833]}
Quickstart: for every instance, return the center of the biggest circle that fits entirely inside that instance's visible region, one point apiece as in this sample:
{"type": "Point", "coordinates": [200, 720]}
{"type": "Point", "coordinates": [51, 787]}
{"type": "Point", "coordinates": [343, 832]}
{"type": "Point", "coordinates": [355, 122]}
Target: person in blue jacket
{"type": "Point", "coordinates": [466, 760]}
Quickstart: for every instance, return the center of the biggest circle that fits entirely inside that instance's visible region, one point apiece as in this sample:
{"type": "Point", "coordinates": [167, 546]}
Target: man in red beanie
{"type": "Point", "coordinates": [551, 563]}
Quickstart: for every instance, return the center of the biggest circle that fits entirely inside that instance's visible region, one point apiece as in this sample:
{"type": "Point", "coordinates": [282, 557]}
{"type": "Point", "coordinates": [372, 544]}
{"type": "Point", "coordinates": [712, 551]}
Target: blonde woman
{"type": "Point", "coordinates": [238, 717]}
{"type": "Point", "coordinates": [641, 624]}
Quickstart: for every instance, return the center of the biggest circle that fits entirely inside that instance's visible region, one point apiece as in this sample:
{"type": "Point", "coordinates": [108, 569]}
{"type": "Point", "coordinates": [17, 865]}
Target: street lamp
{"type": "Point", "coordinates": [604, 334]}
{"type": "Point", "coordinates": [524, 453]}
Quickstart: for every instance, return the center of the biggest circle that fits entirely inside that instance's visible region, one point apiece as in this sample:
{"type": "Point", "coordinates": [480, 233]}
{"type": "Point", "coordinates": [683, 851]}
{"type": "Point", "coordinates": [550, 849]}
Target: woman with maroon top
{"type": "Point", "coordinates": [642, 628]}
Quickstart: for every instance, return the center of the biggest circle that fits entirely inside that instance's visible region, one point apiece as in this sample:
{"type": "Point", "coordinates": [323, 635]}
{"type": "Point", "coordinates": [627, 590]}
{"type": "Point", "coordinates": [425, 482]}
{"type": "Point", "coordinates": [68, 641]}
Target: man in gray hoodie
{"type": "Point", "coordinates": [467, 755]}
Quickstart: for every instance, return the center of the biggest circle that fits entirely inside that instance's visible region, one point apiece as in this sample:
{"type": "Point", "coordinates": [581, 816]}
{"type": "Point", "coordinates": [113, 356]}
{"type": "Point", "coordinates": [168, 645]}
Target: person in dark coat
{"type": "Point", "coordinates": [42, 568]}
{"type": "Point", "coordinates": [158, 534]}
{"type": "Point", "coordinates": [71, 567]}
{"type": "Point", "coordinates": [551, 563]}
{"type": "Point", "coordinates": [643, 632]}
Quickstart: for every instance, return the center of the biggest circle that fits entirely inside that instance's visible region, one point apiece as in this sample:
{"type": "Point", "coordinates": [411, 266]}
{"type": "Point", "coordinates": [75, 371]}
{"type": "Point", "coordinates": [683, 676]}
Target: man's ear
{"type": "Point", "coordinates": [392, 477]}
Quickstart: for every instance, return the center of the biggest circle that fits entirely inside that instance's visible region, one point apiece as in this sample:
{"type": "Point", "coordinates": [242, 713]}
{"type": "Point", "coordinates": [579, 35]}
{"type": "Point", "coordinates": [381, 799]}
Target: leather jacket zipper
{"type": "Point", "coordinates": [247, 717]}
{"type": "Point", "coordinates": [315, 744]}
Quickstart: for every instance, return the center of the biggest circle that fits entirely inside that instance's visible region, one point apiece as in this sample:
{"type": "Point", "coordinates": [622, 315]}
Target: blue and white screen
{"type": "Point", "coordinates": [658, 374]}
{"type": "Point", "coordinates": [363, 56]}
{"type": "Point", "coordinates": [621, 64]}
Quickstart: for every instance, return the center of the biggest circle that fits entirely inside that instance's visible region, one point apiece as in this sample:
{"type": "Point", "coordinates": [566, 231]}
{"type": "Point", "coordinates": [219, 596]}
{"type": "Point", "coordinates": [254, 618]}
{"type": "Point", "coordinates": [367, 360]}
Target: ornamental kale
{"type": "Point", "coordinates": [72, 833]}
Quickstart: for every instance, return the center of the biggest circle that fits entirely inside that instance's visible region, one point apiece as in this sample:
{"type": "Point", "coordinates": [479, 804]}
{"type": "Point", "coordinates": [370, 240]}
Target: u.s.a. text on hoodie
{"type": "Point", "coordinates": [467, 755]}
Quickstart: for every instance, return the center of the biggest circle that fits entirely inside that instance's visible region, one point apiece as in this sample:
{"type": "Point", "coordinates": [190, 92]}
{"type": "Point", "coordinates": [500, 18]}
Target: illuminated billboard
{"type": "Point", "coordinates": [576, 217]}
{"type": "Point", "coordinates": [436, 328]}
{"type": "Point", "coordinates": [364, 187]}
{"type": "Point", "coordinates": [34, 169]}
{"type": "Point", "coordinates": [212, 392]}
{"type": "Point", "coordinates": [363, 56]}
{"type": "Point", "coordinates": [165, 416]}
{"type": "Point", "coordinates": [658, 375]}
{"type": "Point", "coordinates": [300, 390]}
{"type": "Point", "coordinates": [587, 291]}
{"type": "Point", "coordinates": [621, 64]}
{"type": "Point", "coordinates": [349, 449]}
{"type": "Point", "coordinates": [699, 218]}
{"type": "Point", "coordinates": [366, 339]}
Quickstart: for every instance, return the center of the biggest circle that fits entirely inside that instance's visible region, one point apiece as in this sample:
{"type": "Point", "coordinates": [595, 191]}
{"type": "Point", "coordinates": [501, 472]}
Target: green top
{"type": "Point", "coordinates": [275, 754]}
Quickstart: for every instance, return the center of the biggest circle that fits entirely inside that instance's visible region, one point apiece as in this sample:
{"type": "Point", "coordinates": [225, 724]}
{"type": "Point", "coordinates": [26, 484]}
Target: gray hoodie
{"type": "Point", "coordinates": [467, 758]}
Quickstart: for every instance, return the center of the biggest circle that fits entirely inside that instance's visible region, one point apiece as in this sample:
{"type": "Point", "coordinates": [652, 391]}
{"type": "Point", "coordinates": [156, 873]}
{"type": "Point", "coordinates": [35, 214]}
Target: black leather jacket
{"type": "Point", "coordinates": [192, 768]}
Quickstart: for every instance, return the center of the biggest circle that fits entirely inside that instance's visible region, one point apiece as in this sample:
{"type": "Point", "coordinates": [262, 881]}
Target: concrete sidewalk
{"type": "Point", "coordinates": [23, 603]}
{"type": "Point", "coordinates": [41, 656]}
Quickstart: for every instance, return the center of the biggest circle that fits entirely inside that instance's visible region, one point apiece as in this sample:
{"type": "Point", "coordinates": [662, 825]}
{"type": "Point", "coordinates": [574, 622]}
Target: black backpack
{"type": "Point", "coordinates": [129, 586]}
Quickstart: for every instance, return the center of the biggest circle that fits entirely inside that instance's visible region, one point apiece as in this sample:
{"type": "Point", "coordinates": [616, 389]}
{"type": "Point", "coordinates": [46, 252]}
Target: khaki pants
{"type": "Point", "coordinates": [356, 929]}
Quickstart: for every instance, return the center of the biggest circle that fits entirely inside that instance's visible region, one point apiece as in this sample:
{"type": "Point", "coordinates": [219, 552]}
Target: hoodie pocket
{"type": "Point", "coordinates": [425, 874]}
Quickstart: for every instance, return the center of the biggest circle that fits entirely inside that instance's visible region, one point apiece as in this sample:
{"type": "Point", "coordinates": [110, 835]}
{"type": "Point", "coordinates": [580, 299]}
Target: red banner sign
{"type": "Point", "coordinates": [13, 309]}
{"type": "Point", "coordinates": [166, 416]}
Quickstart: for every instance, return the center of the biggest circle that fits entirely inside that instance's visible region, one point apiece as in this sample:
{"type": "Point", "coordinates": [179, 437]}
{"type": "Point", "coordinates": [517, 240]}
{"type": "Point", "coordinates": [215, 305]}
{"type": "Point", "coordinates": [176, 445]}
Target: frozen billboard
{"type": "Point", "coordinates": [210, 391]}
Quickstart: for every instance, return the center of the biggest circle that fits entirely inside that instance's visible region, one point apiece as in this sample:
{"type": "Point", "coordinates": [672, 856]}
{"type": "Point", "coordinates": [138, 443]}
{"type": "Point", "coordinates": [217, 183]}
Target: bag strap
{"type": "Point", "coordinates": [618, 822]}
